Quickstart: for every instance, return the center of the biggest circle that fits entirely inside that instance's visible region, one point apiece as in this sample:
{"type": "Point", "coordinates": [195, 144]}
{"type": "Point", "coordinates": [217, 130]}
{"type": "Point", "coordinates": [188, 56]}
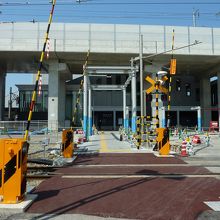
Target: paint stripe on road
{"type": "Point", "coordinates": [104, 147]}
{"type": "Point", "coordinates": [103, 143]}
{"type": "Point", "coordinates": [140, 176]}
{"type": "Point", "coordinates": [138, 165]}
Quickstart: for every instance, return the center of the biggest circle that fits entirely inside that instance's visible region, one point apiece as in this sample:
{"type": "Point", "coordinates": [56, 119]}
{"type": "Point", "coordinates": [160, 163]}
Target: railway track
{"type": "Point", "coordinates": [42, 172]}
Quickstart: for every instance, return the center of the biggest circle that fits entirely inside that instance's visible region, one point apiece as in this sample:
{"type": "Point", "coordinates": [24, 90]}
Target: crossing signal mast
{"type": "Point", "coordinates": [157, 85]}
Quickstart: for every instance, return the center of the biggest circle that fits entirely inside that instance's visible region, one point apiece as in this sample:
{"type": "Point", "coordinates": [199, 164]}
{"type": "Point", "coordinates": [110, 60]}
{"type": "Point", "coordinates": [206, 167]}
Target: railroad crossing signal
{"type": "Point", "coordinates": [173, 66]}
{"type": "Point", "coordinates": [156, 84]}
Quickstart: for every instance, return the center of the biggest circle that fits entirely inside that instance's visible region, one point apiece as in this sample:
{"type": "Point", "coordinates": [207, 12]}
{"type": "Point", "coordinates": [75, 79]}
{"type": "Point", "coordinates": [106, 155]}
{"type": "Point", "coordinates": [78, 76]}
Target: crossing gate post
{"type": "Point", "coordinates": [138, 128]}
{"type": "Point", "coordinates": [67, 143]}
{"type": "Point", "coordinates": [13, 170]}
{"type": "Point", "coordinates": [163, 142]}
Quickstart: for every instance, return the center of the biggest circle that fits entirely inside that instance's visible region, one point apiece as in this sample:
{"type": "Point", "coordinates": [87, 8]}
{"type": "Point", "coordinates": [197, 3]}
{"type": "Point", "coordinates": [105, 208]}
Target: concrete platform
{"type": "Point", "coordinates": [20, 207]}
{"type": "Point", "coordinates": [70, 160]}
{"type": "Point", "coordinates": [158, 155]}
{"type": "Point", "coordinates": [214, 205]}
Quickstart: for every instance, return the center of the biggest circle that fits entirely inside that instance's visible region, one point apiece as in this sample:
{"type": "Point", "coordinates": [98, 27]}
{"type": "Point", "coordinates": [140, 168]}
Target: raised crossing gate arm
{"type": "Point", "coordinates": [14, 151]}
{"type": "Point", "coordinates": [68, 134]}
{"type": "Point", "coordinates": [80, 90]}
{"type": "Point", "coordinates": [33, 100]}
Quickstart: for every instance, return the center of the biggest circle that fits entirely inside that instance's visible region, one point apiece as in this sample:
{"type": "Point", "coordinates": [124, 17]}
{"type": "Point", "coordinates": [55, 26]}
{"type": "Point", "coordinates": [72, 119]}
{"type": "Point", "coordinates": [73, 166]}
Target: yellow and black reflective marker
{"type": "Point", "coordinates": [39, 71]}
{"type": "Point", "coordinates": [13, 170]}
{"type": "Point", "coordinates": [67, 143]}
{"type": "Point", "coordinates": [80, 90]}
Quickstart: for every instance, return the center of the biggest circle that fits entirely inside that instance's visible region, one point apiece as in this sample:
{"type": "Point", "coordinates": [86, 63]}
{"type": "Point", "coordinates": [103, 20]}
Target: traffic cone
{"type": "Point", "coordinates": [183, 149]}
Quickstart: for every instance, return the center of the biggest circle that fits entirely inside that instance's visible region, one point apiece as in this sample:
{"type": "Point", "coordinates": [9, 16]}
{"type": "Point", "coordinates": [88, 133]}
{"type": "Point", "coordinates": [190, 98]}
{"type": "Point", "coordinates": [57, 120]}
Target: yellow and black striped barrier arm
{"type": "Point", "coordinates": [33, 100]}
{"type": "Point", "coordinates": [80, 89]}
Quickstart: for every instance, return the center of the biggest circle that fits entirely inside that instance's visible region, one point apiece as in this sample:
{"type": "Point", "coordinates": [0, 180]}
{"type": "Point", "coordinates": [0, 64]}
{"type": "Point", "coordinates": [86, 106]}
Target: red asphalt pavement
{"type": "Point", "coordinates": [132, 198]}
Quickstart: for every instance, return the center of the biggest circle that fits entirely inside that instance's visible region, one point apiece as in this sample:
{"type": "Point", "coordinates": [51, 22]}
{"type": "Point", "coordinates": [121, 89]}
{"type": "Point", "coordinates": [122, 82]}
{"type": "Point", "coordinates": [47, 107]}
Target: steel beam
{"type": "Point", "coordinates": [106, 87]}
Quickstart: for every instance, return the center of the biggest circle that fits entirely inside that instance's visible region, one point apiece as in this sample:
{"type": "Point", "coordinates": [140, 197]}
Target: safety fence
{"type": "Point", "coordinates": [18, 127]}
{"type": "Point", "coordinates": [146, 134]}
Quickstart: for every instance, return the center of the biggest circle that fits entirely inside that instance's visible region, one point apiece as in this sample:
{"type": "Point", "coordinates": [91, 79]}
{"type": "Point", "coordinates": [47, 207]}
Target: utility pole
{"type": "Point", "coordinates": [195, 15]}
{"type": "Point", "coordinates": [10, 104]}
{"type": "Point", "coordinates": [141, 74]}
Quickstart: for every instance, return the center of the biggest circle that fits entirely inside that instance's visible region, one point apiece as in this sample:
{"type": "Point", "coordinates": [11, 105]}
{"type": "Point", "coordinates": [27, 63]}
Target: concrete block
{"type": "Point", "coordinates": [158, 155]}
{"type": "Point", "coordinates": [20, 207]}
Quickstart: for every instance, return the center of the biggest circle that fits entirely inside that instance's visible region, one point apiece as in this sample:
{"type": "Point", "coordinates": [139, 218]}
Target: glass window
{"type": "Point", "coordinates": [178, 85]}
{"type": "Point", "coordinates": [198, 94]}
{"type": "Point", "coordinates": [188, 89]}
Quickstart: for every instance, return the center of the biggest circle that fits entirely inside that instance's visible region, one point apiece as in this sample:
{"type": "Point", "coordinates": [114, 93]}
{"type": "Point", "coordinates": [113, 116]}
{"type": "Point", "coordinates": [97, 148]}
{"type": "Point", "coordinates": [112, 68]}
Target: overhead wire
{"type": "Point", "coordinates": [111, 3]}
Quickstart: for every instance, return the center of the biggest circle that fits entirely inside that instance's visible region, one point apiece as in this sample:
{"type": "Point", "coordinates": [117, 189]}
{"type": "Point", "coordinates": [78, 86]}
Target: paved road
{"type": "Point", "coordinates": [112, 179]}
{"type": "Point", "coordinates": [131, 185]}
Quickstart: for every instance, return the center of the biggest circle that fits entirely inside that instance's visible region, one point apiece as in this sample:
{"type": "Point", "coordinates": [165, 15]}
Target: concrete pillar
{"type": "Point", "coordinates": [134, 102]}
{"type": "Point", "coordinates": [2, 94]}
{"type": "Point", "coordinates": [127, 117]}
{"type": "Point", "coordinates": [85, 105]}
{"type": "Point", "coordinates": [124, 107]}
{"type": "Point", "coordinates": [163, 117]}
{"type": "Point", "coordinates": [62, 102]}
{"type": "Point", "coordinates": [205, 97]}
{"type": "Point", "coordinates": [90, 112]}
{"type": "Point", "coordinates": [218, 86]}
{"type": "Point", "coordinates": [56, 97]}
{"type": "Point", "coordinates": [178, 118]}
{"type": "Point", "coordinates": [114, 120]}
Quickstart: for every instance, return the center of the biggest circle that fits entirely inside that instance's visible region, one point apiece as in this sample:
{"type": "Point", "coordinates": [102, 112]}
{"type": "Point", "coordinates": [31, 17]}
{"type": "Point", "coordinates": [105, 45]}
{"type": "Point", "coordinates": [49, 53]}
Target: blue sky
{"type": "Point", "coordinates": [155, 12]}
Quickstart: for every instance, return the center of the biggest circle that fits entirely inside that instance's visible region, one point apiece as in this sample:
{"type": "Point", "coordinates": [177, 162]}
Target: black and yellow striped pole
{"type": "Point", "coordinates": [80, 90]}
{"type": "Point", "coordinates": [157, 101]}
{"type": "Point", "coordinates": [39, 71]}
{"type": "Point", "coordinates": [172, 71]}
{"type": "Point", "coordinates": [138, 124]}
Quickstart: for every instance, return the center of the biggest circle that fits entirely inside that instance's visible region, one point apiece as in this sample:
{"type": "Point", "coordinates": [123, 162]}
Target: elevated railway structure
{"type": "Point", "coordinates": [113, 45]}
